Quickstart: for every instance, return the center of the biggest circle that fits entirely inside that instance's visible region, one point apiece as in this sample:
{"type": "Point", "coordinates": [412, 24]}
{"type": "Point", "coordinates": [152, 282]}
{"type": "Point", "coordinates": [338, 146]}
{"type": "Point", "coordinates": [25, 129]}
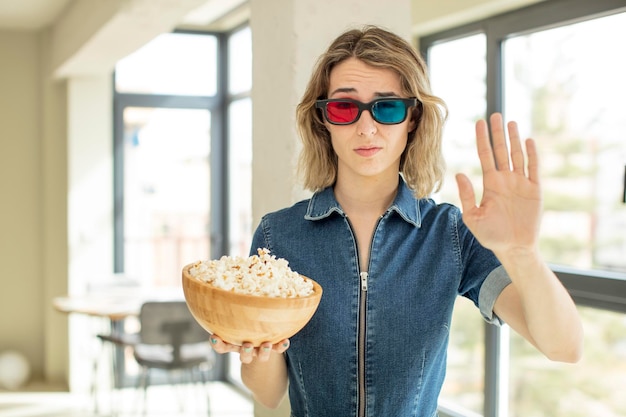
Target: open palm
{"type": "Point", "coordinates": [508, 216]}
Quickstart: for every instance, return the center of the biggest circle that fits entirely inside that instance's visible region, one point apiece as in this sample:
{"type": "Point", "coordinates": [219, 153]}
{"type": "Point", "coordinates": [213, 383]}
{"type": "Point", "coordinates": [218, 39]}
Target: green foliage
{"type": "Point", "coordinates": [567, 249]}
{"type": "Point", "coordinates": [566, 202]}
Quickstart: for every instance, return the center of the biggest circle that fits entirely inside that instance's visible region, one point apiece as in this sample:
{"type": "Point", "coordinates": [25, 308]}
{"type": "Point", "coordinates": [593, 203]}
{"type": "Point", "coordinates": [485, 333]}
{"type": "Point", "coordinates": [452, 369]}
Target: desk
{"type": "Point", "coordinates": [114, 304]}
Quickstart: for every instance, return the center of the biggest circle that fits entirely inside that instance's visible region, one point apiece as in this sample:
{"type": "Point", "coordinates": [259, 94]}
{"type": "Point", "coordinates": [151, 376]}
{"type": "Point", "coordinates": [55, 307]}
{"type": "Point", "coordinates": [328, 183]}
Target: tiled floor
{"type": "Point", "coordinates": [165, 401]}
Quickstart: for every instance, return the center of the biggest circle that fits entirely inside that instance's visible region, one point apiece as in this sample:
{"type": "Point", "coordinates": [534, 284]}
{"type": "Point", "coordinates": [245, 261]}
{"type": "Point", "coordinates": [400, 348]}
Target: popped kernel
{"type": "Point", "coordinates": [261, 275]}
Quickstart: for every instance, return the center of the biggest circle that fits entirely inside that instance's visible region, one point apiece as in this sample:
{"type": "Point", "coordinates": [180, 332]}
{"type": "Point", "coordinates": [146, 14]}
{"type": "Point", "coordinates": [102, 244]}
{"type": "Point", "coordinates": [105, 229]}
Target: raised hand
{"type": "Point", "coordinates": [508, 216]}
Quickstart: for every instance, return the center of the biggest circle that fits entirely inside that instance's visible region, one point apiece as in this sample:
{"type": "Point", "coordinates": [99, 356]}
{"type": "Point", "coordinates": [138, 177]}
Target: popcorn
{"type": "Point", "coordinates": [261, 275]}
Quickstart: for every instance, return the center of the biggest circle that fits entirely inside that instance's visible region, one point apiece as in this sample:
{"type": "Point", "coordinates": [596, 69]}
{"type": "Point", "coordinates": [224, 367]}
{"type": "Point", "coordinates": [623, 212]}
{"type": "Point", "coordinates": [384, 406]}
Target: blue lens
{"type": "Point", "coordinates": [389, 111]}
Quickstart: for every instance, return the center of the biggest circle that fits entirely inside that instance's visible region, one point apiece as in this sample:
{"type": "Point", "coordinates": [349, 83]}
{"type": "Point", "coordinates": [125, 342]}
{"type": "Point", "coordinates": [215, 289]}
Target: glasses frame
{"type": "Point", "coordinates": [408, 102]}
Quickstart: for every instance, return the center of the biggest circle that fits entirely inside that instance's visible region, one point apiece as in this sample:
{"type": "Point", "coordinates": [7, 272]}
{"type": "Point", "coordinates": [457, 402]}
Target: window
{"type": "Point", "coordinates": [167, 157]}
{"type": "Point", "coordinates": [240, 140]}
{"type": "Point", "coordinates": [465, 372]}
{"type": "Point", "coordinates": [173, 63]}
{"type": "Point", "coordinates": [555, 67]}
{"type": "Point", "coordinates": [183, 152]}
{"type": "Point", "coordinates": [591, 387]}
{"type": "Point", "coordinates": [568, 93]}
{"type": "Point", "coordinates": [166, 191]}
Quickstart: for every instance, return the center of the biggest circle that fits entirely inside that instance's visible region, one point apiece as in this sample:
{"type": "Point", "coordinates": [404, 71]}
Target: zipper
{"type": "Point", "coordinates": [361, 350]}
{"type": "Point", "coordinates": [363, 277]}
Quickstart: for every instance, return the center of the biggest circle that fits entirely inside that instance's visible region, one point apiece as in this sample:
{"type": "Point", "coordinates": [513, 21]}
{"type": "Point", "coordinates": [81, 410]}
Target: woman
{"type": "Point", "coordinates": [390, 260]}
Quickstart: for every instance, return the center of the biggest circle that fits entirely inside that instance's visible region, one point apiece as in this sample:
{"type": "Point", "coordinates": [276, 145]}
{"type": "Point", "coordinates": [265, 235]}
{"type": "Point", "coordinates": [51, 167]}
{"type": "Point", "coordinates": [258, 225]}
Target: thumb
{"type": "Point", "coordinates": [466, 192]}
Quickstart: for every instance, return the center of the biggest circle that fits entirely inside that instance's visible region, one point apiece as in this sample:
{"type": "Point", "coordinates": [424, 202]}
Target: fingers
{"type": "Point", "coordinates": [281, 346]}
{"type": "Point", "coordinates": [498, 142]}
{"type": "Point", "coordinates": [533, 161]}
{"type": "Point", "coordinates": [466, 192]}
{"type": "Point", "coordinates": [247, 351]}
{"type": "Point", "coordinates": [222, 347]}
{"type": "Point", "coordinates": [517, 154]}
{"type": "Point", "coordinates": [483, 146]}
{"type": "Point", "coordinates": [494, 153]}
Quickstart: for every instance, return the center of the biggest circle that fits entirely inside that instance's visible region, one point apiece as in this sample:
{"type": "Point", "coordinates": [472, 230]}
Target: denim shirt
{"type": "Point", "coordinates": [377, 344]}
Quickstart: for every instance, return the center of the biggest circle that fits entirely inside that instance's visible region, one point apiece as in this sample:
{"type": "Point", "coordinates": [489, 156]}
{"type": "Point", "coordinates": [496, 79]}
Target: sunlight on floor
{"type": "Point", "coordinates": [168, 401]}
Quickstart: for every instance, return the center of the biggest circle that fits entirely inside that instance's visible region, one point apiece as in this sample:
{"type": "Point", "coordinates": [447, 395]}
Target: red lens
{"type": "Point", "coordinates": [341, 111]}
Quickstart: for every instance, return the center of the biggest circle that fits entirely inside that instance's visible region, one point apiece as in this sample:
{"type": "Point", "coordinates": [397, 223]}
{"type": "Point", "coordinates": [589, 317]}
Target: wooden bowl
{"type": "Point", "coordinates": [238, 318]}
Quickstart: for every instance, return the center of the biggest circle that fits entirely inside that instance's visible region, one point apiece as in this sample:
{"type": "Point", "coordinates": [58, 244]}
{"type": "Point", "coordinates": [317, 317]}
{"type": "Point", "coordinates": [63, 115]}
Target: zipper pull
{"type": "Point", "coordinates": [364, 276]}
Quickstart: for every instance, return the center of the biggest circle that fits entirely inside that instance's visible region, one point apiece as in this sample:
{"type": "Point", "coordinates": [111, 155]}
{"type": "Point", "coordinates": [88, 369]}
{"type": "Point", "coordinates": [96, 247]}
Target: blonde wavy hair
{"type": "Point", "coordinates": [421, 163]}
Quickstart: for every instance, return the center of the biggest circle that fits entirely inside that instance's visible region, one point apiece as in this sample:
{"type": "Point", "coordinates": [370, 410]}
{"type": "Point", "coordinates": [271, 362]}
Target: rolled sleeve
{"type": "Point", "coordinates": [491, 288]}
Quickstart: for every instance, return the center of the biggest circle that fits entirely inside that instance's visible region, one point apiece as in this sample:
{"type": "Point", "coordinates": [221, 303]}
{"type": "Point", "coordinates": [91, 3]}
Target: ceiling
{"type": "Point", "coordinates": [38, 14]}
{"type": "Point", "coordinates": [225, 14]}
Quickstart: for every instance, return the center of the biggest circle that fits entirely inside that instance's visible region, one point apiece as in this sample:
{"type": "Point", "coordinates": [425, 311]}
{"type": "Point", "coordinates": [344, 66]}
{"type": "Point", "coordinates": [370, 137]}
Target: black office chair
{"type": "Point", "coordinates": [169, 339]}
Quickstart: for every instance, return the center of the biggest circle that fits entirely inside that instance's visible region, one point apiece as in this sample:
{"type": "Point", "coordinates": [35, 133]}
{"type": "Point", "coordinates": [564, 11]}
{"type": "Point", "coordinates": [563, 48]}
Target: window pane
{"type": "Point", "coordinates": [240, 61]}
{"type": "Point", "coordinates": [464, 385]}
{"type": "Point", "coordinates": [566, 87]}
{"type": "Point", "coordinates": [592, 387]}
{"type": "Point", "coordinates": [458, 74]}
{"type": "Point", "coordinates": [166, 192]}
{"type": "Point", "coordinates": [240, 176]}
{"type": "Point", "coordinates": [172, 63]}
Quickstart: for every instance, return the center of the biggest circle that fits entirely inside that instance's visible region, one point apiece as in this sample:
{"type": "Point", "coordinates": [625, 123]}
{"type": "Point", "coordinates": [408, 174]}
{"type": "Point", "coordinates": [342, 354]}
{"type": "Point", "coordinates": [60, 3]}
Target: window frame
{"type": "Point", "coordinates": [599, 289]}
{"type": "Point", "coordinates": [218, 105]}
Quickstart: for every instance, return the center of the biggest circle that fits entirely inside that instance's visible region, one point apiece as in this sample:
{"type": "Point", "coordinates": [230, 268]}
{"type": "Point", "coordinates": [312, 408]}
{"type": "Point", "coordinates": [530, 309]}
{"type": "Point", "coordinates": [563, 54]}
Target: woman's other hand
{"type": "Point", "coordinates": [507, 218]}
{"type": "Point", "coordinates": [247, 352]}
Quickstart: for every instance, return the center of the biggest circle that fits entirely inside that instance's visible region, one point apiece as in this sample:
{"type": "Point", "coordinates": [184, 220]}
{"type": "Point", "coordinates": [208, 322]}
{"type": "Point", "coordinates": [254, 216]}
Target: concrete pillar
{"type": "Point", "coordinates": [89, 207]}
{"type": "Point", "coordinates": [287, 38]}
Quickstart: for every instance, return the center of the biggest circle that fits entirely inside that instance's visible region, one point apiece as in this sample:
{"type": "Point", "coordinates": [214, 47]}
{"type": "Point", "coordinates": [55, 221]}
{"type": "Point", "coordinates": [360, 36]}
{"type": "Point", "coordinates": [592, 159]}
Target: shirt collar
{"type": "Point", "coordinates": [323, 203]}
